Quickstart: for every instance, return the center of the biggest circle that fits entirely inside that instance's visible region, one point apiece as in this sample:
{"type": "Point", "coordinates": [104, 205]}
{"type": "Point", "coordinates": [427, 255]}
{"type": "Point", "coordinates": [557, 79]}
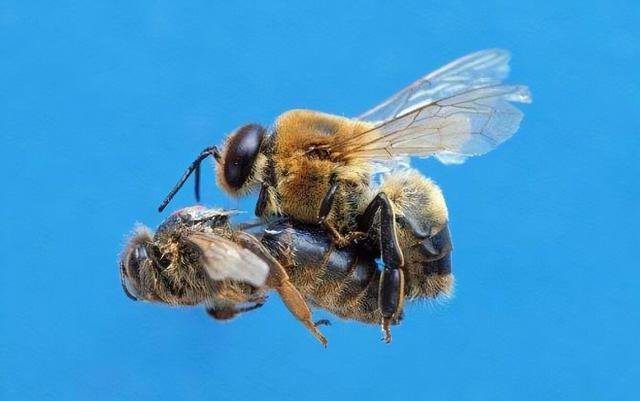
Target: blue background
{"type": "Point", "coordinates": [103, 104]}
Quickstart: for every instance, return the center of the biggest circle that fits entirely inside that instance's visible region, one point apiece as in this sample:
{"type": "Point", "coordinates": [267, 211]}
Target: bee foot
{"type": "Point", "coordinates": [322, 322]}
{"type": "Point", "coordinates": [346, 240]}
{"type": "Point", "coordinates": [386, 330]}
{"type": "Point", "coordinates": [318, 335]}
{"type": "Point", "coordinates": [261, 300]}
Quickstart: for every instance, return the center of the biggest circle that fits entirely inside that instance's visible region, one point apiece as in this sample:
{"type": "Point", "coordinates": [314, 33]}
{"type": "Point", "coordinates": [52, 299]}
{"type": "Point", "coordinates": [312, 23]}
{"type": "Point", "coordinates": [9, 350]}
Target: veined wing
{"type": "Point", "coordinates": [484, 68]}
{"type": "Point", "coordinates": [457, 111]}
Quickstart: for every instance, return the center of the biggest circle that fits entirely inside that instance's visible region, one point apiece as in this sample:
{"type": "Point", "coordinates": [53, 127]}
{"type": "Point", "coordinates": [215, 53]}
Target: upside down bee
{"type": "Point", "coordinates": [197, 257]}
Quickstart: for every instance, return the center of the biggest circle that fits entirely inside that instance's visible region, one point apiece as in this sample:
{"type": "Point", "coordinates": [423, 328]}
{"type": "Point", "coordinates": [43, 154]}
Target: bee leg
{"type": "Point", "coordinates": [230, 312]}
{"type": "Point", "coordinates": [278, 279]}
{"type": "Point", "coordinates": [325, 208]}
{"type": "Point", "coordinates": [417, 232]}
{"type": "Point", "coordinates": [327, 201]}
{"type": "Point", "coordinates": [222, 313]}
{"type": "Point", "coordinates": [259, 299]}
{"type": "Point", "coordinates": [435, 245]}
{"type": "Point", "coordinates": [391, 289]}
{"type": "Point", "coordinates": [261, 204]}
{"type": "Point", "coordinates": [339, 240]}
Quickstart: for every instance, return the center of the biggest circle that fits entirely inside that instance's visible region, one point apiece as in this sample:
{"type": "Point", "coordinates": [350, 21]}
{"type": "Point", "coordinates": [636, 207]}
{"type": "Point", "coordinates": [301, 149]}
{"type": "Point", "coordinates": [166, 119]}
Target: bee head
{"type": "Point", "coordinates": [134, 262]}
{"type": "Point", "coordinates": [236, 165]}
{"type": "Point", "coordinates": [237, 171]}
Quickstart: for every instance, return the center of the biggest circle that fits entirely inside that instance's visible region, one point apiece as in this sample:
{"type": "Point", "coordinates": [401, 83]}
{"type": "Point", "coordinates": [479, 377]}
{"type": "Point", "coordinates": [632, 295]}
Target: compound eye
{"type": "Point", "coordinates": [240, 154]}
{"type": "Point", "coordinates": [130, 273]}
{"type": "Point", "coordinates": [127, 286]}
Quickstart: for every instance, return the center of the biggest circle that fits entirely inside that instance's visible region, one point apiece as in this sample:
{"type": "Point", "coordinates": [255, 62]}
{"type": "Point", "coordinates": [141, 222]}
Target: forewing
{"type": "Point", "coordinates": [484, 68]}
{"type": "Point", "coordinates": [223, 259]}
{"type": "Point", "coordinates": [452, 129]}
{"type": "Point", "coordinates": [458, 111]}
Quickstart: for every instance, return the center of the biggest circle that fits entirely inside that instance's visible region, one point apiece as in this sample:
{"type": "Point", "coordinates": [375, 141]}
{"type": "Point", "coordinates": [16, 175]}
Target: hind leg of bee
{"type": "Point", "coordinates": [391, 289]}
{"type": "Point", "coordinates": [278, 279]}
{"type": "Point", "coordinates": [325, 208]}
{"type": "Point", "coordinates": [340, 240]}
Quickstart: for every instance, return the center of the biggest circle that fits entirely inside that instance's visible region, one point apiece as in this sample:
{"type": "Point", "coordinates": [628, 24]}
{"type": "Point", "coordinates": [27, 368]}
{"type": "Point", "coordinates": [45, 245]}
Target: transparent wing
{"type": "Point", "coordinates": [457, 111]}
{"type": "Point", "coordinates": [224, 259]}
{"type": "Point", "coordinates": [484, 68]}
{"type": "Point", "coordinates": [452, 129]}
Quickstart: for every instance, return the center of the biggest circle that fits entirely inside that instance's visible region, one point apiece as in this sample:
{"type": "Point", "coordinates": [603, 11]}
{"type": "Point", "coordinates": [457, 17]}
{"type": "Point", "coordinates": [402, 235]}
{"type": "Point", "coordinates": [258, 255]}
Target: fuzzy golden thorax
{"type": "Point", "coordinates": [299, 131]}
{"type": "Point", "coordinates": [302, 169]}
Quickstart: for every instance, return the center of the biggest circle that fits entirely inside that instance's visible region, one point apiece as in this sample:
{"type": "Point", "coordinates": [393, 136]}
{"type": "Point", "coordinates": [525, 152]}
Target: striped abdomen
{"type": "Point", "coordinates": [342, 281]}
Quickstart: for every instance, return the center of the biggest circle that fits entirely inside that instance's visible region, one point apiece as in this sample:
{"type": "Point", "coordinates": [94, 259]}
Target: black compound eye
{"type": "Point", "coordinates": [126, 283]}
{"type": "Point", "coordinates": [137, 257]}
{"type": "Point", "coordinates": [130, 274]}
{"type": "Point", "coordinates": [240, 154]}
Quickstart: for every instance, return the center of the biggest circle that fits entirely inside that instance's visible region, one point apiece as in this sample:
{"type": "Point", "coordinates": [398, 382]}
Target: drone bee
{"type": "Point", "coordinates": [196, 257]}
{"type": "Point", "coordinates": [317, 168]}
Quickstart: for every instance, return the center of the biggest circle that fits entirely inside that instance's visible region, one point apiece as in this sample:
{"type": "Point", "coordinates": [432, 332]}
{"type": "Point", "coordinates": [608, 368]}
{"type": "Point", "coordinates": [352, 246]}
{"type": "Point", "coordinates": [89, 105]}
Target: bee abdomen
{"type": "Point", "coordinates": [428, 267]}
{"type": "Point", "coordinates": [349, 285]}
{"type": "Point", "coordinates": [343, 281]}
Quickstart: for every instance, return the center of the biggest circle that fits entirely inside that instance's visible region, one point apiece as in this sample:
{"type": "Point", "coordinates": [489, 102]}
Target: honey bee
{"type": "Point", "coordinates": [317, 168]}
{"type": "Point", "coordinates": [197, 257]}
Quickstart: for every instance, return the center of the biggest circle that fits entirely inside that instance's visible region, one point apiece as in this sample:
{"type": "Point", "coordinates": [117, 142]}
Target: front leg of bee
{"type": "Point", "coordinates": [261, 204]}
{"type": "Point", "coordinates": [391, 289]}
{"type": "Point", "coordinates": [230, 312]}
{"type": "Point", "coordinates": [279, 280]}
{"type": "Point", "coordinates": [325, 208]}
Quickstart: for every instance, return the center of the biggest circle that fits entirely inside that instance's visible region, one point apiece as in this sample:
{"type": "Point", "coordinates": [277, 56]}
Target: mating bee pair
{"type": "Point", "coordinates": [326, 222]}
